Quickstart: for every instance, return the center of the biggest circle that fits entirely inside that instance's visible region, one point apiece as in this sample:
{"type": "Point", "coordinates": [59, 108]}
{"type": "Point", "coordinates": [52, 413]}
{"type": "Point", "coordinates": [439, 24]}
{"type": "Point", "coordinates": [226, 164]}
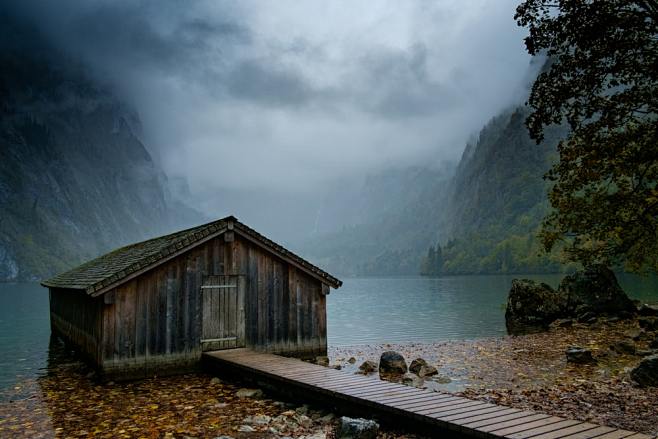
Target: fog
{"type": "Point", "coordinates": [264, 107]}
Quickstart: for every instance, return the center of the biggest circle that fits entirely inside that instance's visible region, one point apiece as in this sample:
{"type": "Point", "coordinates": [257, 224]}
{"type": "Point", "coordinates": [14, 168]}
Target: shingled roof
{"type": "Point", "coordinates": [95, 276]}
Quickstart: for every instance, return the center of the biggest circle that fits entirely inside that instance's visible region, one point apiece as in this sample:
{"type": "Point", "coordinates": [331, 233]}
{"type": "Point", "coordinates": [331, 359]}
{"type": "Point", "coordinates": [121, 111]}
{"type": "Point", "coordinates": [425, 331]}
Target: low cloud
{"type": "Point", "coordinates": [290, 96]}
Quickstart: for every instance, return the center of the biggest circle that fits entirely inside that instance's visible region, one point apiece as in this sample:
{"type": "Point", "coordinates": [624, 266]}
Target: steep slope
{"type": "Point", "coordinates": [498, 199]}
{"type": "Point", "coordinates": [75, 179]}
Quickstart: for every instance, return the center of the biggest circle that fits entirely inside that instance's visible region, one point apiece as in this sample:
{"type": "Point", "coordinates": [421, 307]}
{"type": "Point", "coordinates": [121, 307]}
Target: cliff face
{"type": "Point", "coordinates": [75, 179]}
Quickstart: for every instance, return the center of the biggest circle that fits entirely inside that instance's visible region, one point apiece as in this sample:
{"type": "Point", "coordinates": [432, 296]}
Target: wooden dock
{"type": "Point", "coordinates": [433, 413]}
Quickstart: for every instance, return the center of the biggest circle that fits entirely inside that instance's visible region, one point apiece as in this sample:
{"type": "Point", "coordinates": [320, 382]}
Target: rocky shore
{"type": "Point", "coordinates": [533, 372]}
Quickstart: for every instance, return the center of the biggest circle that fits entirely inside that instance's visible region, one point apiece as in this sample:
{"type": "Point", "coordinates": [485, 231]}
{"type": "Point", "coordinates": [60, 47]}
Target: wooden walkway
{"type": "Point", "coordinates": [435, 413]}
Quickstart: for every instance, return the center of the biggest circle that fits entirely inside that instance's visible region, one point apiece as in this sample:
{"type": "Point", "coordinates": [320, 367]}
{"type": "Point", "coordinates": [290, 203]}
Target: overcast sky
{"type": "Point", "coordinates": [292, 95]}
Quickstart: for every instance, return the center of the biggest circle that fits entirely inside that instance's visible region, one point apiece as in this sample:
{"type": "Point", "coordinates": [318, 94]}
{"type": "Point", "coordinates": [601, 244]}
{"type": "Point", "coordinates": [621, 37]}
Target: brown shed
{"type": "Point", "coordinates": [155, 306]}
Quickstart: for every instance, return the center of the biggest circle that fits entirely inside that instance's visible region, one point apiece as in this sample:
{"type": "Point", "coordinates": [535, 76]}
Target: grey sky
{"type": "Point", "coordinates": [291, 95]}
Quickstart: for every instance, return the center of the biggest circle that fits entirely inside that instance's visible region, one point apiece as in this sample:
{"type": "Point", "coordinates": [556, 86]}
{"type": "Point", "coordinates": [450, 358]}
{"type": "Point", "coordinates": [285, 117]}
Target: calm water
{"type": "Point", "coordinates": [364, 310]}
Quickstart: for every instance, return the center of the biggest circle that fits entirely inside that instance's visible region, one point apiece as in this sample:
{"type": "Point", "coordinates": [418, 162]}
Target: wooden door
{"type": "Point", "coordinates": [223, 313]}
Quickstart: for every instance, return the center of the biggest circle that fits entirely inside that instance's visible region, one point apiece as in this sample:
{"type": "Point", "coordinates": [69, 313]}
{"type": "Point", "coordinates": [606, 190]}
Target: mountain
{"type": "Point", "coordinates": [497, 200]}
{"type": "Point", "coordinates": [75, 178]}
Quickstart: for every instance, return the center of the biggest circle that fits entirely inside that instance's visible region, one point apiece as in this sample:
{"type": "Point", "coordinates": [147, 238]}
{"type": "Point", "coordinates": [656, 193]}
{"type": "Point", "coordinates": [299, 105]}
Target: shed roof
{"type": "Point", "coordinates": [105, 272]}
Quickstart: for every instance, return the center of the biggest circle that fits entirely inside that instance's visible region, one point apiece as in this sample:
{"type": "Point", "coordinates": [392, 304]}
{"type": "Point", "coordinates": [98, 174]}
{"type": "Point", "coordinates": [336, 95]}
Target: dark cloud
{"type": "Point", "coordinates": [295, 95]}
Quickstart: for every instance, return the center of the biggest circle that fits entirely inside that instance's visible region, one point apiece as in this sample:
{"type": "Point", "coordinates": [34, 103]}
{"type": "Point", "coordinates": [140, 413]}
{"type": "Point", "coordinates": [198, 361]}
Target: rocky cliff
{"type": "Point", "coordinates": [75, 178]}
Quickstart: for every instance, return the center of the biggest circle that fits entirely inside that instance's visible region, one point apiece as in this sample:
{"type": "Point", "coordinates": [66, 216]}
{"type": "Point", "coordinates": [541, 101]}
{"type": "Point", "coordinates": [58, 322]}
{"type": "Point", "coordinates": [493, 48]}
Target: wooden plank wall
{"type": "Point", "coordinates": [76, 316]}
{"type": "Point", "coordinates": [153, 322]}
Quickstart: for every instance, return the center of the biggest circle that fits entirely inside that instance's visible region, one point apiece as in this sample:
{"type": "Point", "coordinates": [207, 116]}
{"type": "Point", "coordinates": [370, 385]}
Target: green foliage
{"type": "Point", "coordinates": [603, 81]}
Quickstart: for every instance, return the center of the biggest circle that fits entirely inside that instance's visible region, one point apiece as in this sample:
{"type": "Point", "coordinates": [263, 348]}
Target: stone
{"type": "Point", "coordinates": [648, 310]}
{"type": "Point", "coordinates": [223, 437]}
{"type": "Point", "coordinates": [316, 435]}
{"type": "Point", "coordinates": [368, 366]}
{"type": "Point", "coordinates": [357, 428]}
{"type": "Point", "coordinates": [576, 354]}
{"type": "Point", "coordinates": [303, 420]}
{"type": "Point", "coordinates": [442, 379]}
{"type": "Point", "coordinates": [645, 374]}
{"type": "Point", "coordinates": [302, 410]}
{"type": "Point", "coordinates": [257, 420]}
{"type": "Point", "coordinates": [624, 347]}
{"type": "Point", "coordinates": [337, 367]}
{"type": "Point", "coordinates": [246, 429]}
{"type": "Point", "coordinates": [595, 290]}
{"type": "Point", "coordinates": [587, 317]}
{"type": "Point", "coordinates": [215, 381]}
{"type": "Point", "coordinates": [249, 393]}
{"type": "Point", "coordinates": [427, 371]}
{"type": "Point", "coordinates": [531, 307]}
{"type": "Point", "coordinates": [327, 418]}
{"type": "Point", "coordinates": [322, 361]}
{"type": "Point", "coordinates": [563, 323]}
{"type": "Point", "coordinates": [392, 362]}
{"type": "Point", "coordinates": [648, 323]}
{"type": "Point", "coordinates": [412, 380]}
{"type": "Point", "coordinates": [352, 360]}
{"type": "Point", "coordinates": [416, 365]}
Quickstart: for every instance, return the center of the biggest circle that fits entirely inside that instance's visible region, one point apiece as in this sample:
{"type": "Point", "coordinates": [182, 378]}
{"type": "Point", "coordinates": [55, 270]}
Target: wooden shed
{"type": "Point", "coordinates": [155, 306]}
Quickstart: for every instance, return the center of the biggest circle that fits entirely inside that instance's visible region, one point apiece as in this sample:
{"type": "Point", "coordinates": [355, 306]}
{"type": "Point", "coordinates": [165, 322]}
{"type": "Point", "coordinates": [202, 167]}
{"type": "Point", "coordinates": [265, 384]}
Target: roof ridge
{"type": "Point", "coordinates": [119, 264]}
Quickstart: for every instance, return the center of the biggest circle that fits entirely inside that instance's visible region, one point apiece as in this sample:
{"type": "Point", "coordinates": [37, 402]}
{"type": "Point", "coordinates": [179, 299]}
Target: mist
{"type": "Point", "coordinates": [262, 109]}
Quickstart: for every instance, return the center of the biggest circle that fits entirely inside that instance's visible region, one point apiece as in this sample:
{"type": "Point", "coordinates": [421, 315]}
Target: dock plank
{"type": "Point", "coordinates": [439, 413]}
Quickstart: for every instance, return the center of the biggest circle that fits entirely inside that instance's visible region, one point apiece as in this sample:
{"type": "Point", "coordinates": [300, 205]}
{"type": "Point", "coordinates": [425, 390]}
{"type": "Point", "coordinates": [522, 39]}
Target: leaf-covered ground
{"type": "Point", "coordinates": [528, 372]}
{"type": "Point", "coordinates": [69, 403]}
{"type": "Point", "coordinates": [531, 372]}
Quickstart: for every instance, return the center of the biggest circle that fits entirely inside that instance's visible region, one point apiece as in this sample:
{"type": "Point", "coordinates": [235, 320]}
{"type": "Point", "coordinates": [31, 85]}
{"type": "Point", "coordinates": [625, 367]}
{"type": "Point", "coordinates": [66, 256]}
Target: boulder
{"type": "Point", "coordinates": [531, 306]}
{"type": "Point", "coordinates": [357, 428]}
{"type": "Point", "coordinates": [392, 363]}
{"type": "Point", "coordinates": [576, 354]}
{"type": "Point", "coordinates": [368, 366]}
{"type": "Point", "coordinates": [416, 365]}
{"type": "Point", "coordinates": [595, 290]}
{"type": "Point", "coordinates": [646, 373]}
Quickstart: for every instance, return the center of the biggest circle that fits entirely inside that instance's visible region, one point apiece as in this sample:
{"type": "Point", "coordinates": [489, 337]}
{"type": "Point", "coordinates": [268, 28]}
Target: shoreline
{"type": "Point", "coordinates": [531, 372]}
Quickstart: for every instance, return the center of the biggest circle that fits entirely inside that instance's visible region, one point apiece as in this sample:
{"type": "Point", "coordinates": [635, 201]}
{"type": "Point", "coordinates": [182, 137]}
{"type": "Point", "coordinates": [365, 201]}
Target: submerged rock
{"type": "Point", "coordinates": [576, 354]}
{"type": "Point", "coordinates": [646, 373]}
{"type": "Point", "coordinates": [392, 362]}
{"type": "Point", "coordinates": [357, 428]}
{"type": "Point", "coordinates": [531, 306]}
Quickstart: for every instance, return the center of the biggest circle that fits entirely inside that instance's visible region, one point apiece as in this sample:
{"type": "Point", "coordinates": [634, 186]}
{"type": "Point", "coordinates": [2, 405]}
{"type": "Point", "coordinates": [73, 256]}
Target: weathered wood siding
{"type": "Point", "coordinates": [76, 317]}
{"type": "Point", "coordinates": [153, 323]}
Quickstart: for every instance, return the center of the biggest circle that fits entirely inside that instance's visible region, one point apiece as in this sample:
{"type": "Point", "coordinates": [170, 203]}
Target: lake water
{"type": "Point", "coordinates": [364, 310]}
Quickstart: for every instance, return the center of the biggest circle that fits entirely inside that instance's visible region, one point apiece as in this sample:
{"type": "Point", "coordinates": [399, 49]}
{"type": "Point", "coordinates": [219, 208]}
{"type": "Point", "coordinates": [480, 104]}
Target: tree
{"type": "Point", "coordinates": [602, 80]}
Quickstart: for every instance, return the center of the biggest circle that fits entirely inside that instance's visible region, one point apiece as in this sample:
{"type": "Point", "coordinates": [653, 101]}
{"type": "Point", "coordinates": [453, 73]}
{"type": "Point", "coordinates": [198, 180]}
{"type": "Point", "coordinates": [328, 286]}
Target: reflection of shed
{"type": "Point", "coordinates": [156, 305]}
